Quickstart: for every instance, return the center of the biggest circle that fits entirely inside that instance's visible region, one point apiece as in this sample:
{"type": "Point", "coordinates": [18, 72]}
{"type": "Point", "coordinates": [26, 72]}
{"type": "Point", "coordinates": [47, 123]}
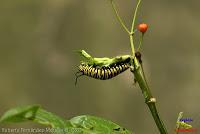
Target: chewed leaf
{"type": "Point", "coordinates": [85, 56]}
{"type": "Point", "coordinates": [97, 125]}
{"type": "Point", "coordinates": [103, 61]}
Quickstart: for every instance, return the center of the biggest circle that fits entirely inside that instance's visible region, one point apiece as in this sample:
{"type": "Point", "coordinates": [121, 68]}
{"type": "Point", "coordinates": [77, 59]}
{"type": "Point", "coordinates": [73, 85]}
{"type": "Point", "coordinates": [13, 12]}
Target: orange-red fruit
{"type": "Point", "coordinates": [143, 27]}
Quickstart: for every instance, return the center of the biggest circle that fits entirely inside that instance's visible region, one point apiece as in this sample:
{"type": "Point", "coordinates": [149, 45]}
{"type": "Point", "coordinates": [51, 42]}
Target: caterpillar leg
{"type": "Point", "coordinates": [78, 74]}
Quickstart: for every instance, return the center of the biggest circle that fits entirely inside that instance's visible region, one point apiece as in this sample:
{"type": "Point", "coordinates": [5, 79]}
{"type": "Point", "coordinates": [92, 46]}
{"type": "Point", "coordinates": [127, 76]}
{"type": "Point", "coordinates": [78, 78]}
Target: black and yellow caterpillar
{"type": "Point", "coordinates": [102, 73]}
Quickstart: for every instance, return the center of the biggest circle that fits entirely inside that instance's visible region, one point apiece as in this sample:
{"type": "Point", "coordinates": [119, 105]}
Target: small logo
{"type": "Point", "coordinates": [186, 130]}
{"type": "Point", "coordinates": [186, 120]}
{"type": "Point", "coordinates": [184, 126]}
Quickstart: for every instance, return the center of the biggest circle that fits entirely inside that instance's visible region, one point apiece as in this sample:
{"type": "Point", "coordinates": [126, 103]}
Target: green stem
{"type": "Point", "coordinates": [141, 40]}
{"type": "Point", "coordinates": [135, 15]}
{"type": "Point", "coordinates": [119, 18]}
{"type": "Point", "coordinates": [150, 101]}
{"type": "Point", "coordinates": [132, 44]}
{"type": "Point", "coordinates": [155, 114]}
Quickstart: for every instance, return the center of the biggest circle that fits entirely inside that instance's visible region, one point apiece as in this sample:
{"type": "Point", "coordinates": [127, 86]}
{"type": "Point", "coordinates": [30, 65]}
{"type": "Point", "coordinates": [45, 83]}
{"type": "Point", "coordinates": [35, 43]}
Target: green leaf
{"type": "Point", "coordinates": [36, 114]}
{"type": "Point", "coordinates": [49, 119]}
{"type": "Point", "coordinates": [104, 61]}
{"type": "Point", "coordinates": [78, 125]}
{"type": "Point", "coordinates": [96, 125]}
{"type": "Point", "coordinates": [85, 56]}
{"type": "Point", "coordinates": [20, 114]}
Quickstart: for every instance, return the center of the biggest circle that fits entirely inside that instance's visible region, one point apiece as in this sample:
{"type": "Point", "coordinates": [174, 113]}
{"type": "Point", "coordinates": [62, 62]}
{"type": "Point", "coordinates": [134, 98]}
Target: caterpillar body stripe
{"type": "Point", "coordinates": [101, 73]}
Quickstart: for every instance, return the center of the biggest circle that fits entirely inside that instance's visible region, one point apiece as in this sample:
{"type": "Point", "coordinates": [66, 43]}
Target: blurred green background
{"type": "Point", "coordinates": [38, 39]}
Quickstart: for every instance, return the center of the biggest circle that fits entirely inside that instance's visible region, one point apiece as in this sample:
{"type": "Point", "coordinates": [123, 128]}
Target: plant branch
{"type": "Point", "coordinates": [150, 101]}
{"type": "Point", "coordinates": [141, 40]}
{"type": "Point", "coordinates": [119, 18]}
{"type": "Point", "coordinates": [132, 45]}
{"type": "Point", "coordinates": [132, 28]}
{"type": "Point", "coordinates": [135, 15]}
{"type": "Point", "coordinates": [137, 71]}
{"type": "Point", "coordinates": [140, 77]}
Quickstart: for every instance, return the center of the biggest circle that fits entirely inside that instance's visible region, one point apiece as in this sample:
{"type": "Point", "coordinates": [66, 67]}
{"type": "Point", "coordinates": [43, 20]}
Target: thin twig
{"type": "Point", "coordinates": [141, 40]}
{"type": "Point", "coordinates": [119, 18]}
{"type": "Point", "coordinates": [135, 15]}
{"type": "Point", "coordinates": [132, 27]}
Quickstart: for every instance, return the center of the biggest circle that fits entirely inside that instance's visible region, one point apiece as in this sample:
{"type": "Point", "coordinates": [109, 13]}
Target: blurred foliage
{"type": "Point", "coordinates": [84, 124]}
{"type": "Point", "coordinates": [37, 44]}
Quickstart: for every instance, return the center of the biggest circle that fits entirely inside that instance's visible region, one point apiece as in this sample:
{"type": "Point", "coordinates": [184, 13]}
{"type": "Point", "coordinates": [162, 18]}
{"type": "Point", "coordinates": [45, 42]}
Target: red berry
{"type": "Point", "coordinates": [143, 27]}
